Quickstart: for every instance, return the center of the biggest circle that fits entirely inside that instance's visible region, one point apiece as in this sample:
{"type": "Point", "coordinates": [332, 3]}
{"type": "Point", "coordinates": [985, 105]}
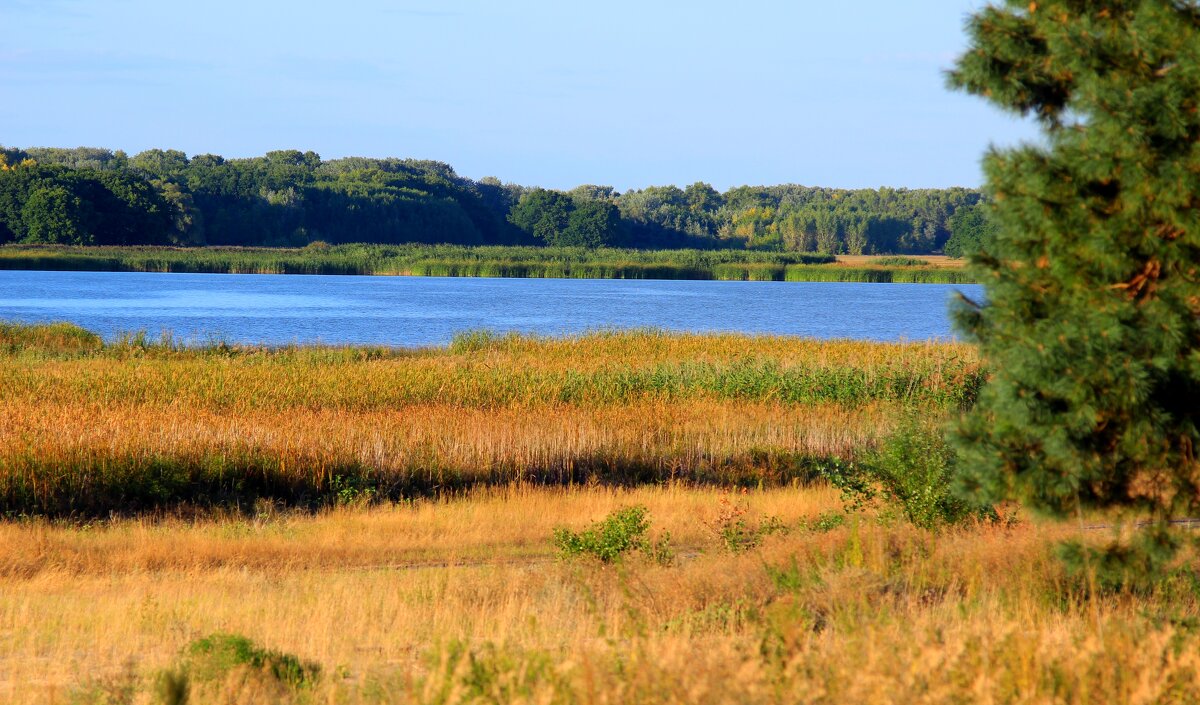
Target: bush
{"type": "Point", "coordinates": [610, 539]}
{"type": "Point", "coordinates": [902, 262]}
{"type": "Point", "coordinates": [737, 531]}
{"type": "Point", "coordinates": [215, 657]}
{"type": "Point", "coordinates": [915, 470]}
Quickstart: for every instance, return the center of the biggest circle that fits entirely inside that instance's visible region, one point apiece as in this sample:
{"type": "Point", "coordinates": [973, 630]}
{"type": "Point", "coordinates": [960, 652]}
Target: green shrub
{"type": "Point", "coordinates": [825, 521]}
{"type": "Point", "coordinates": [901, 262]}
{"type": "Point", "coordinates": [214, 657]}
{"type": "Point", "coordinates": [914, 470]}
{"type": "Point", "coordinates": [855, 482]}
{"type": "Point", "coordinates": [610, 539]}
{"type": "Point", "coordinates": [47, 339]}
{"type": "Point", "coordinates": [1140, 565]}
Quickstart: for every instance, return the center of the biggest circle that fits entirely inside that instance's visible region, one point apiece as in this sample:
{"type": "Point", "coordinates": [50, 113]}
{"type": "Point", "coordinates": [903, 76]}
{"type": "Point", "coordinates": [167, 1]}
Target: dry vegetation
{"type": "Point", "coordinates": [380, 522]}
{"type": "Point", "coordinates": [89, 428]}
{"type": "Point", "coordinates": [464, 600]}
{"type": "Point", "coordinates": [936, 261]}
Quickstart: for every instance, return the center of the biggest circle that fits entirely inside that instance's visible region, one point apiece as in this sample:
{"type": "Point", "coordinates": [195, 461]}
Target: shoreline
{"type": "Point", "coordinates": [487, 262]}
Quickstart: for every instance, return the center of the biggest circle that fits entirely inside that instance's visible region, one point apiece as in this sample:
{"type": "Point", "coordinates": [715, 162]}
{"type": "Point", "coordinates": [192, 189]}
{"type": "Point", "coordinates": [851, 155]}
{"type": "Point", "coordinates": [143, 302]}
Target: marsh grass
{"type": "Point", "coordinates": [487, 261]}
{"type": "Point", "coordinates": [47, 340]}
{"type": "Point", "coordinates": [143, 424]}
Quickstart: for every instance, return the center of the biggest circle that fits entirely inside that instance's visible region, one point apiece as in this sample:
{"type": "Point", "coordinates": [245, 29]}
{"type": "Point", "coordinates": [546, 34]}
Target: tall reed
{"type": "Point", "coordinates": [140, 424]}
{"type": "Point", "coordinates": [461, 261]}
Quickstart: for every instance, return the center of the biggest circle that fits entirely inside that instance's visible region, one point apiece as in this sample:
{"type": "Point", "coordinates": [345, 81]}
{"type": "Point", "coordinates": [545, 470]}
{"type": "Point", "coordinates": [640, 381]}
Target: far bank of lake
{"type": "Point", "coordinates": [493, 261]}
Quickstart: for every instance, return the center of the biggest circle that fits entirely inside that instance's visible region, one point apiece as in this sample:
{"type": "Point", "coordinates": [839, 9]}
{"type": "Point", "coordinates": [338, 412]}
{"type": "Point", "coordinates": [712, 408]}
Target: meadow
{"type": "Point", "coordinates": [225, 524]}
{"type": "Point", "coordinates": [491, 261]}
{"type": "Point", "coordinates": [465, 600]}
{"type": "Point", "coordinates": [137, 424]}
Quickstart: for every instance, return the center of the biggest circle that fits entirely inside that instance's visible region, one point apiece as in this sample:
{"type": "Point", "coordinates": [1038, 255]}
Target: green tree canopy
{"type": "Point", "coordinates": [1092, 321]}
{"type": "Point", "coordinates": [592, 224]}
{"type": "Point", "coordinates": [969, 228]}
{"type": "Point", "coordinates": [587, 220]}
{"type": "Point", "coordinates": [542, 213]}
{"type": "Point", "coordinates": [291, 197]}
{"type": "Point", "coordinates": [54, 215]}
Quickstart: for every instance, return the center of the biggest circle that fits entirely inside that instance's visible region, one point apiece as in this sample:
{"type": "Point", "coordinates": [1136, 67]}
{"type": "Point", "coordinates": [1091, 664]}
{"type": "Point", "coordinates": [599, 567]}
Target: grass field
{"type": "Point", "coordinates": [368, 525]}
{"type": "Point", "coordinates": [133, 425]}
{"type": "Point", "coordinates": [494, 261]}
{"type": "Point", "coordinates": [465, 600]}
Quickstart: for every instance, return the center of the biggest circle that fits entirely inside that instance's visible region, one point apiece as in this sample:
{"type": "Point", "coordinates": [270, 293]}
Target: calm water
{"type": "Point", "coordinates": [414, 311]}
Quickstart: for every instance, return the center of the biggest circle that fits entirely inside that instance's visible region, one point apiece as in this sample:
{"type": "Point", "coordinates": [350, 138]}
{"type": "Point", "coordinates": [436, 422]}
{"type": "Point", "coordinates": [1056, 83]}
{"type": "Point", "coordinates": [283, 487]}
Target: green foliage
{"type": "Point", "coordinates": [47, 339]}
{"type": "Point", "coordinates": [610, 539]}
{"type": "Point", "coordinates": [915, 470]}
{"type": "Point", "coordinates": [854, 481]}
{"type": "Point", "coordinates": [901, 262]}
{"type": "Point", "coordinates": [353, 490]}
{"type": "Point", "coordinates": [463, 261]}
{"type": "Point", "coordinates": [591, 224]}
{"type": "Point", "coordinates": [214, 657]}
{"type": "Point", "coordinates": [290, 198]}
{"type": "Point", "coordinates": [57, 205]}
{"type": "Point", "coordinates": [824, 522]}
{"type": "Point", "coordinates": [1092, 320]}
{"type": "Point", "coordinates": [1139, 565]}
{"type": "Point", "coordinates": [543, 214]}
{"type": "Point", "coordinates": [561, 221]}
{"type": "Point", "coordinates": [970, 228]}
{"type": "Point", "coordinates": [52, 214]}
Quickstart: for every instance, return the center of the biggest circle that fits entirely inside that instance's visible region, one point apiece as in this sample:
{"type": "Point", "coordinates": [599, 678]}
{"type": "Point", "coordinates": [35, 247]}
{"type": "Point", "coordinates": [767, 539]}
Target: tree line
{"type": "Point", "coordinates": [90, 196]}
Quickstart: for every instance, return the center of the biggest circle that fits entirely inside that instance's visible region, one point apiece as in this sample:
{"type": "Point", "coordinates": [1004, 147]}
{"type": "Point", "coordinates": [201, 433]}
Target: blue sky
{"type": "Point", "coordinates": [624, 93]}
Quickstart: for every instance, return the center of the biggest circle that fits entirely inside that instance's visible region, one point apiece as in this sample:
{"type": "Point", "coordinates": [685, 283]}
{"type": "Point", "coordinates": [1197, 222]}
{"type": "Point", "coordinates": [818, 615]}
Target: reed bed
{"type": "Point", "coordinates": [463, 600]}
{"type": "Point", "coordinates": [487, 261]}
{"type": "Point", "coordinates": [88, 427]}
{"type": "Point", "coordinates": [157, 493]}
{"type": "Point", "coordinates": [91, 460]}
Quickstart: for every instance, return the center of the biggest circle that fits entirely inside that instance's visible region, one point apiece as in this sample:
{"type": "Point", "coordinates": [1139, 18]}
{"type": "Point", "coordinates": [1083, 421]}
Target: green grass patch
{"type": "Point", "coordinates": [487, 261]}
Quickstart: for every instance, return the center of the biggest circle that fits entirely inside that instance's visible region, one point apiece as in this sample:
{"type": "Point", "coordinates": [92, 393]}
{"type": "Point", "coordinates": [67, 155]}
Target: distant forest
{"type": "Point", "coordinates": [288, 198]}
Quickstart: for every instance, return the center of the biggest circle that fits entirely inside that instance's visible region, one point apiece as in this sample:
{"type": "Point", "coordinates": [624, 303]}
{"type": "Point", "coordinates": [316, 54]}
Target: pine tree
{"type": "Point", "coordinates": [1091, 326]}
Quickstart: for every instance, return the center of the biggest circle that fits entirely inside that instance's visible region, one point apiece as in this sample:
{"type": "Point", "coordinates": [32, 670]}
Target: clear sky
{"type": "Point", "coordinates": [554, 93]}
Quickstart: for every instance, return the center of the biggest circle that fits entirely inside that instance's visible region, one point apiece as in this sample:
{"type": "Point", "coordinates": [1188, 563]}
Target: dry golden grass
{"type": "Point", "coordinates": [938, 261]}
{"type": "Point", "coordinates": [460, 597]}
{"type": "Point", "coordinates": [133, 426]}
{"type": "Point", "coordinates": [875, 612]}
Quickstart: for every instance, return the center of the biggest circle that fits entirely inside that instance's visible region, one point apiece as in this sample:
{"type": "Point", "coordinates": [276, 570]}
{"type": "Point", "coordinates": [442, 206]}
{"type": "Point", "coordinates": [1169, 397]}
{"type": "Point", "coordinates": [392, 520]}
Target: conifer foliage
{"type": "Point", "coordinates": [1092, 320]}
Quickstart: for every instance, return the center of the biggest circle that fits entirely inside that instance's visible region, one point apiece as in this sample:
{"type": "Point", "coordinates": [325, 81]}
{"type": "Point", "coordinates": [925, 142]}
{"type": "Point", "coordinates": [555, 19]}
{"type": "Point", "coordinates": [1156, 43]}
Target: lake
{"type": "Point", "coordinates": [419, 311]}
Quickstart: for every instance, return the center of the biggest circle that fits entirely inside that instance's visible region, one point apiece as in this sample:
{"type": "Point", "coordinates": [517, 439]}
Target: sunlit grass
{"type": "Point", "coordinates": [387, 515]}
{"type": "Point", "coordinates": [137, 423]}
{"type": "Point", "coordinates": [464, 598]}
